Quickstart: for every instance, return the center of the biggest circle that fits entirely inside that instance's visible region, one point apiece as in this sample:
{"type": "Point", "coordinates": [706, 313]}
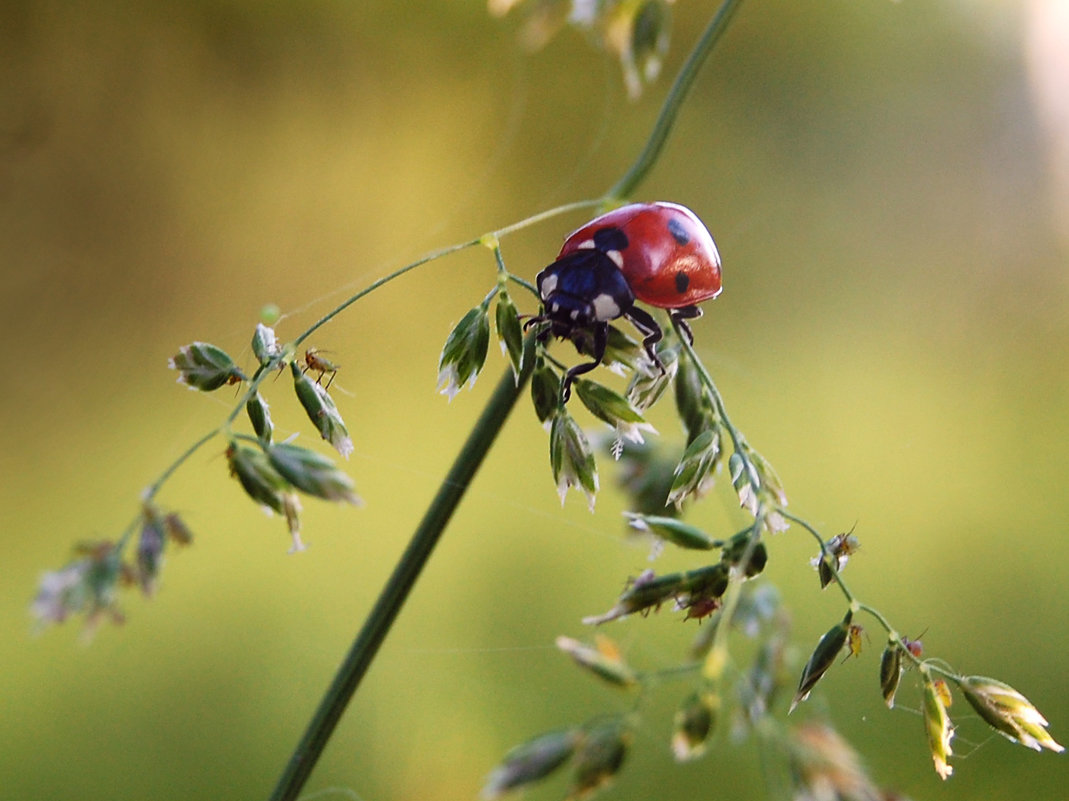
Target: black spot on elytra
{"type": "Point", "coordinates": [611, 238]}
{"type": "Point", "coordinates": [678, 231]}
{"type": "Point", "coordinates": [682, 282]}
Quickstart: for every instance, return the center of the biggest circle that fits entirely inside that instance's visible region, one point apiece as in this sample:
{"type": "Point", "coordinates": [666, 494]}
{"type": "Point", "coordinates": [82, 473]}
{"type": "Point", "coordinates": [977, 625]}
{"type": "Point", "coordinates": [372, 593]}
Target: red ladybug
{"type": "Point", "coordinates": [659, 253]}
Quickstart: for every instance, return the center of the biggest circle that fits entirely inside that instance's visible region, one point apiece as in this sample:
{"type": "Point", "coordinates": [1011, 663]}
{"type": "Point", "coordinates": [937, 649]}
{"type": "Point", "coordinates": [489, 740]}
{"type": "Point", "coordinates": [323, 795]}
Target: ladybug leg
{"type": "Point", "coordinates": [543, 332]}
{"type": "Point", "coordinates": [680, 317]}
{"type": "Point", "coordinates": [601, 338]}
{"type": "Point", "coordinates": [645, 323]}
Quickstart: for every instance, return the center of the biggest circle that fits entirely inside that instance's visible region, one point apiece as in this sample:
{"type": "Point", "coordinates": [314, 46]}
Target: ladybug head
{"type": "Point", "coordinates": [581, 290]}
{"type": "Point", "coordinates": [564, 309]}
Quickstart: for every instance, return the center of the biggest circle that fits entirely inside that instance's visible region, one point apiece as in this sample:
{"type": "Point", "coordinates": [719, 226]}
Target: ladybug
{"type": "Point", "coordinates": [658, 253]}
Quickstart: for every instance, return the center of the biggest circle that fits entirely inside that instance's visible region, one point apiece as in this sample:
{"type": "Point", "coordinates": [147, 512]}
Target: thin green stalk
{"type": "Point", "coordinates": [673, 103]}
{"type": "Point", "coordinates": [153, 488]}
{"type": "Point", "coordinates": [489, 240]}
{"type": "Point", "coordinates": [545, 215]}
{"type": "Point", "coordinates": [265, 369]}
{"type": "Point", "coordinates": [716, 659]}
{"type": "Point", "coordinates": [400, 583]}
{"type": "Point", "coordinates": [858, 606]}
{"type": "Point", "coordinates": [738, 442]}
{"type": "Point", "coordinates": [850, 597]}
{"type": "Point", "coordinates": [437, 254]}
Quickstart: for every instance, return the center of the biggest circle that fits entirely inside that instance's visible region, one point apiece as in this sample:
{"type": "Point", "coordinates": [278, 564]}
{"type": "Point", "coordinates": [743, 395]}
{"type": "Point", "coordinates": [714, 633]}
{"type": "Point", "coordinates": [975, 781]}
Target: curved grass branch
{"type": "Point", "coordinates": [738, 442]}
{"type": "Point", "coordinates": [578, 205]}
{"type": "Point", "coordinates": [436, 254]}
{"type": "Point", "coordinates": [266, 369]}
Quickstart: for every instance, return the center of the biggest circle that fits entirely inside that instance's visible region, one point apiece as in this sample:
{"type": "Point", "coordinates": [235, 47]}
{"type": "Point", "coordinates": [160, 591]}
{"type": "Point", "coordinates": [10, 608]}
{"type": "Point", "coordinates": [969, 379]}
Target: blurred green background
{"type": "Point", "coordinates": [889, 187]}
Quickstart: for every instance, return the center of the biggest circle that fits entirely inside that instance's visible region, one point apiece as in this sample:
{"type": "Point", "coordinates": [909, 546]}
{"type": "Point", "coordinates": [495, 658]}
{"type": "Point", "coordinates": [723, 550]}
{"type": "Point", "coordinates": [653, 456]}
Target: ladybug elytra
{"type": "Point", "coordinates": [658, 253]}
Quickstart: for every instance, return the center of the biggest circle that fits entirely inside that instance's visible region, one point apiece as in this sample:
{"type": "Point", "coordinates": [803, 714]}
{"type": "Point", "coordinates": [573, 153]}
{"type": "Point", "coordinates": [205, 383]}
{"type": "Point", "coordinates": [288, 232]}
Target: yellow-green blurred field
{"type": "Point", "coordinates": [889, 187]}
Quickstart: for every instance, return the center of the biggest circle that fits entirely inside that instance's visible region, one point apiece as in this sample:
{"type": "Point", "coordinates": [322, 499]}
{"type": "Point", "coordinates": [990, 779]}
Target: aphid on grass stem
{"type": "Point", "coordinates": [915, 647]}
{"type": "Point", "coordinates": [853, 641]}
{"type": "Point", "coordinates": [700, 607]}
{"type": "Point", "coordinates": [314, 361]}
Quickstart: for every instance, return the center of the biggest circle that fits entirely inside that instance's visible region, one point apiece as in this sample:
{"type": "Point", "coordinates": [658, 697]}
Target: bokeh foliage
{"type": "Point", "coordinates": [892, 335]}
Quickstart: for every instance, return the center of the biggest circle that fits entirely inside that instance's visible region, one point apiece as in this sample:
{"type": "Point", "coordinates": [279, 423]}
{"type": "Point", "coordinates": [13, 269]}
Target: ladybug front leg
{"type": "Point", "coordinates": [601, 339]}
{"type": "Point", "coordinates": [652, 332]}
{"type": "Point", "coordinates": [680, 317]}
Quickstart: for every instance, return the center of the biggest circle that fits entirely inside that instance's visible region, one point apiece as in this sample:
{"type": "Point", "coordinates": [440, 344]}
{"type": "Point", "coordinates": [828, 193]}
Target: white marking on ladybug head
{"type": "Point", "coordinates": [617, 257]}
{"type": "Point", "coordinates": [586, 245]}
{"type": "Point", "coordinates": [605, 307]}
{"type": "Point", "coordinates": [549, 285]}
{"type": "Point", "coordinates": [574, 314]}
